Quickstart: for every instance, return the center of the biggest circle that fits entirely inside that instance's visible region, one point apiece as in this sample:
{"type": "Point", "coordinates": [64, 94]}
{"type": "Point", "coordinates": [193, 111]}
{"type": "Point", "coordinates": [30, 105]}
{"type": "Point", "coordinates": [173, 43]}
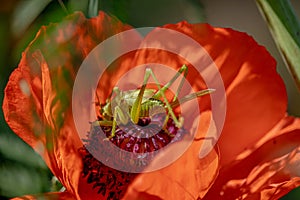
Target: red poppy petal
{"type": "Point", "coordinates": [48, 196]}
{"type": "Point", "coordinates": [38, 95]}
{"type": "Point", "coordinates": [41, 118]}
{"type": "Point", "coordinates": [269, 171]}
{"type": "Point", "coordinates": [256, 96]}
{"type": "Point", "coordinates": [143, 196]}
{"type": "Point", "coordinates": [262, 96]}
{"type": "Point", "coordinates": [187, 178]}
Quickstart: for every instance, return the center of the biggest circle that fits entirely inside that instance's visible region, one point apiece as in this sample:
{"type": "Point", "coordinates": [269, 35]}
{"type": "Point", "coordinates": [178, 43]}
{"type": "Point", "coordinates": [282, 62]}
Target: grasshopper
{"type": "Point", "coordinates": [129, 106]}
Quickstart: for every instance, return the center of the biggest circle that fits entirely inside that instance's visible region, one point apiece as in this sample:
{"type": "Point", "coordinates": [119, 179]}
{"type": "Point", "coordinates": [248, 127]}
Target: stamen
{"type": "Point", "coordinates": [109, 182]}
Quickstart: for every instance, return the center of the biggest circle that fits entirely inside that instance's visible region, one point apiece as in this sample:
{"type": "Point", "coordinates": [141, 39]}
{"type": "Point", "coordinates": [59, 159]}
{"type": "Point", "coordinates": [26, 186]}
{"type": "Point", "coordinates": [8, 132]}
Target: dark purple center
{"type": "Point", "coordinates": [111, 183]}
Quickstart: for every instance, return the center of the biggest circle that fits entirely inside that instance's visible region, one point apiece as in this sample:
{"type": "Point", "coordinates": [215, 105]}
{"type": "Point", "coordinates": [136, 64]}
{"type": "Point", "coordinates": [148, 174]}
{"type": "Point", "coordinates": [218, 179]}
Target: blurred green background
{"type": "Point", "coordinates": [22, 171]}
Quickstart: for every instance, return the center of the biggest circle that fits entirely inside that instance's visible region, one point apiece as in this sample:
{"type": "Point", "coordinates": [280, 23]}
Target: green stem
{"type": "Point", "coordinates": [285, 28]}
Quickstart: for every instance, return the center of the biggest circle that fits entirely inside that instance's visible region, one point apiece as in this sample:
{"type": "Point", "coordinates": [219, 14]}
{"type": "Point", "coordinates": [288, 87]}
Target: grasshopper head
{"type": "Point", "coordinates": [106, 111]}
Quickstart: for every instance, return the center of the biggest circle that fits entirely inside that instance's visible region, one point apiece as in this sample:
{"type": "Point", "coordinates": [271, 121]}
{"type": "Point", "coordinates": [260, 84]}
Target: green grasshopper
{"type": "Point", "coordinates": [129, 106]}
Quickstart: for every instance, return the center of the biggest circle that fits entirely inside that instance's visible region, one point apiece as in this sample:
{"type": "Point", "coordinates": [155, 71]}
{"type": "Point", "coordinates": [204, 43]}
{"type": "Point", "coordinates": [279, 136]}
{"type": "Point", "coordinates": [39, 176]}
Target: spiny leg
{"type": "Point", "coordinates": [114, 124]}
{"type": "Point", "coordinates": [106, 110]}
{"type": "Point", "coordinates": [177, 122]}
{"type": "Point", "coordinates": [183, 70]}
{"type": "Point", "coordinates": [158, 94]}
{"type": "Point", "coordinates": [136, 107]}
{"type": "Point", "coordinates": [186, 98]}
{"type": "Point", "coordinates": [120, 111]}
{"type": "Point", "coordinates": [103, 123]}
{"type": "Point", "coordinates": [175, 101]}
{"type": "Point", "coordinates": [118, 114]}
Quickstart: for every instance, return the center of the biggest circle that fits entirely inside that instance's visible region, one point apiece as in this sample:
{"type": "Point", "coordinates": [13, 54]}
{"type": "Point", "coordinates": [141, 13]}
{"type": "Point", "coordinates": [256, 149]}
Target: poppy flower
{"type": "Point", "coordinates": [256, 156]}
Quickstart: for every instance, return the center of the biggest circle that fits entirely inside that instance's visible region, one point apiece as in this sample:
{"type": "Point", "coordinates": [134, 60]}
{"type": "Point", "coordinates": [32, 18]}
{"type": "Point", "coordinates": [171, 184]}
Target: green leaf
{"type": "Point", "coordinates": [26, 12]}
{"type": "Point", "coordinates": [285, 28]}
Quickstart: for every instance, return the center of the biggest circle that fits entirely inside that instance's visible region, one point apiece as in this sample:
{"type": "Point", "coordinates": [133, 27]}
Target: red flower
{"type": "Point", "coordinates": [257, 155]}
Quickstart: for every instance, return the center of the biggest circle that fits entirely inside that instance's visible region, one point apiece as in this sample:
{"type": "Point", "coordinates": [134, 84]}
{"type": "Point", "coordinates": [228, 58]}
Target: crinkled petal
{"type": "Point", "coordinates": [38, 95]}
{"type": "Point", "coordinates": [187, 178]}
{"type": "Point", "coordinates": [268, 171]}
